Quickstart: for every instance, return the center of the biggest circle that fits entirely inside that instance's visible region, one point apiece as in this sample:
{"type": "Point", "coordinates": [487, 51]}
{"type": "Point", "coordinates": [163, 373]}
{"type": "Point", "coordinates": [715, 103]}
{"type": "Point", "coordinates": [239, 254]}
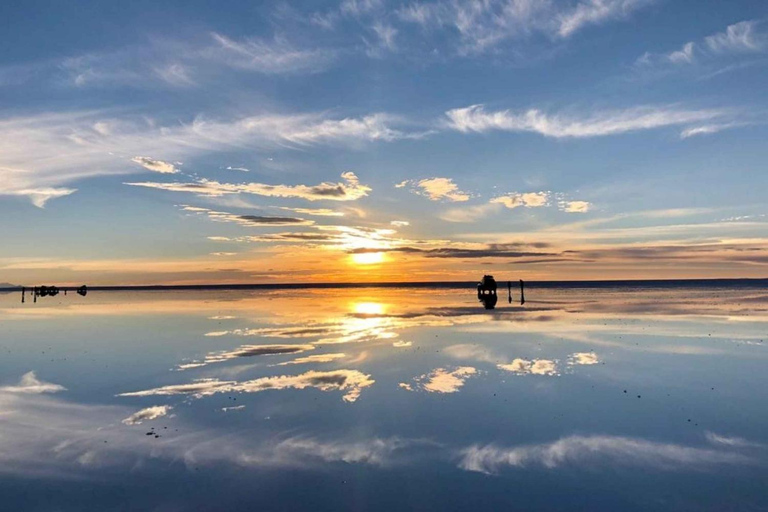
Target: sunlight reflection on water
{"type": "Point", "coordinates": [368, 391]}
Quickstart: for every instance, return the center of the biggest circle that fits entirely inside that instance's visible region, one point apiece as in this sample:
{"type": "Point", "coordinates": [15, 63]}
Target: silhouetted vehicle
{"type": "Point", "coordinates": [82, 291]}
{"type": "Point", "coordinates": [46, 291]}
{"type": "Point", "coordinates": [486, 292]}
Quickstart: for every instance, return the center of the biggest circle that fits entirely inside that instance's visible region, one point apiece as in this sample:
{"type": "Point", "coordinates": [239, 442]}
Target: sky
{"type": "Point", "coordinates": [364, 140]}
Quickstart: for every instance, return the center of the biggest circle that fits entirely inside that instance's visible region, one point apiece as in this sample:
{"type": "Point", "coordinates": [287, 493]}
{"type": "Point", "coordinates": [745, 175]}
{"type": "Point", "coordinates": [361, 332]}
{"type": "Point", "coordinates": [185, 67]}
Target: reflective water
{"type": "Point", "coordinates": [385, 399]}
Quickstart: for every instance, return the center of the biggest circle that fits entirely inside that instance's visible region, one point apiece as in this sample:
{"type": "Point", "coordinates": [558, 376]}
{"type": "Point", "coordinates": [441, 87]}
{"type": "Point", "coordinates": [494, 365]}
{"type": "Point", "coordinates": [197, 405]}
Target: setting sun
{"type": "Point", "coordinates": [368, 308]}
{"type": "Point", "coordinates": [368, 258]}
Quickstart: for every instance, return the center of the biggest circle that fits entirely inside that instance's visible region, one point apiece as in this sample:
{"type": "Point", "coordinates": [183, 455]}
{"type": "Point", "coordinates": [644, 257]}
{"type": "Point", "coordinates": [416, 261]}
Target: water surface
{"type": "Point", "coordinates": [623, 398]}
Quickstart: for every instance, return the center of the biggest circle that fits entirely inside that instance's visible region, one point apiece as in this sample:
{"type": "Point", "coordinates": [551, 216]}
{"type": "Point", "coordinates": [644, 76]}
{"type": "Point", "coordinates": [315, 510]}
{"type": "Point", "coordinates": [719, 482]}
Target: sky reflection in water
{"type": "Point", "coordinates": [380, 399]}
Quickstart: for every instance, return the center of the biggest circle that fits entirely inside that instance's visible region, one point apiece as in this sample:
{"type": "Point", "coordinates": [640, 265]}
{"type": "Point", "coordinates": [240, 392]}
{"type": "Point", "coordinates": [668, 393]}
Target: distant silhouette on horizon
{"type": "Point", "coordinates": [48, 291]}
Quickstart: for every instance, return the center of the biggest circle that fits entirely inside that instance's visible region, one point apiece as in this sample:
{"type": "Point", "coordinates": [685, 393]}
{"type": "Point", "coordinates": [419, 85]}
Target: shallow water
{"type": "Point", "coordinates": [385, 399]}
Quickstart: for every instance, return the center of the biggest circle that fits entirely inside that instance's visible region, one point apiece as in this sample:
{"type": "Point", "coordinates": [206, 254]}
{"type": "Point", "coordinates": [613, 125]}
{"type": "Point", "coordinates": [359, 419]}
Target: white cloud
{"type": "Point", "coordinates": [534, 367]}
{"type": "Point", "coordinates": [574, 206]}
{"type": "Point", "coordinates": [349, 190]}
{"type": "Point", "coordinates": [352, 382]}
{"type": "Point", "coordinates": [438, 189]}
{"type": "Point", "coordinates": [30, 384]}
{"type": "Point", "coordinates": [583, 358]}
{"type": "Point", "coordinates": [476, 119]}
{"type": "Point", "coordinates": [402, 344]}
{"type": "Point", "coordinates": [442, 380]}
{"type": "Point", "coordinates": [148, 414]}
{"type": "Point", "coordinates": [155, 165]}
{"type": "Point", "coordinates": [528, 199]}
{"type": "Point", "coordinates": [594, 450]}
{"type": "Point", "coordinates": [399, 223]}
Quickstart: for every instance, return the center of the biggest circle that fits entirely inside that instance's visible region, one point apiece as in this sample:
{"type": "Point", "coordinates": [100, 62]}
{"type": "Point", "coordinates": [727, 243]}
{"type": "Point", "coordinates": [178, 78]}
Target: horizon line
{"type": "Point", "coordinates": [411, 284]}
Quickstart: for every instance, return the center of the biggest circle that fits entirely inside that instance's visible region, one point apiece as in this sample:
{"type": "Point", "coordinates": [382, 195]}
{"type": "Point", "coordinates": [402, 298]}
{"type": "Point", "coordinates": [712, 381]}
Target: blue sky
{"type": "Point", "coordinates": [184, 142]}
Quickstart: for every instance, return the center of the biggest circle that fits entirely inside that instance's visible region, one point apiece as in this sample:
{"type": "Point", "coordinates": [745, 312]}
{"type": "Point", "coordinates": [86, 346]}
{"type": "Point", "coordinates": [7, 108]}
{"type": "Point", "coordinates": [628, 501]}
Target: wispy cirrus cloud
{"type": "Point", "coordinates": [595, 12]}
{"type": "Point", "coordinates": [384, 40]}
{"type": "Point", "coordinates": [597, 450]}
{"type": "Point", "coordinates": [743, 38]}
{"type": "Point", "coordinates": [733, 49]}
{"type": "Point", "coordinates": [482, 26]}
{"type": "Point", "coordinates": [41, 153]}
{"type": "Point", "coordinates": [45, 437]}
{"type": "Point", "coordinates": [188, 63]}
{"type": "Point", "coordinates": [277, 56]}
{"type": "Point", "coordinates": [477, 119]}
{"type": "Point", "coordinates": [709, 129]}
